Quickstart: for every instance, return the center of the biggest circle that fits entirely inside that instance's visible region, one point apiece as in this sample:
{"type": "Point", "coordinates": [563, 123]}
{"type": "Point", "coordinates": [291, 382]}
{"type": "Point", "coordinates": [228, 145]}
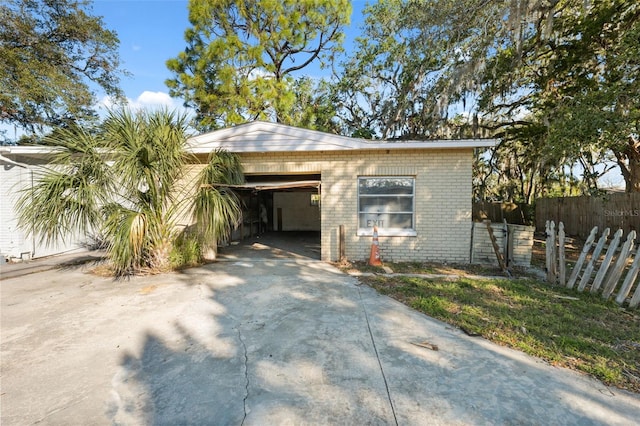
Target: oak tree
{"type": "Point", "coordinates": [54, 53]}
{"type": "Point", "coordinates": [557, 79]}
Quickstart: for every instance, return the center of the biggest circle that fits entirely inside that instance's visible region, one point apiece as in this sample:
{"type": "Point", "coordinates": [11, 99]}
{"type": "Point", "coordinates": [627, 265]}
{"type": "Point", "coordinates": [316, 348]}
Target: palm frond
{"type": "Point", "coordinates": [149, 159]}
{"type": "Point", "coordinates": [216, 209]}
{"type": "Point", "coordinates": [123, 180]}
{"type": "Point", "coordinates": [223, 167]}
{"type": "Point", "coordinates": [149, 151]}
{"type": "Point", "coordinates": [216, 212]}
{"type": "Point", "coordinates": [128, 238]}
{"type": "Point", "coordinates": [67, 195]}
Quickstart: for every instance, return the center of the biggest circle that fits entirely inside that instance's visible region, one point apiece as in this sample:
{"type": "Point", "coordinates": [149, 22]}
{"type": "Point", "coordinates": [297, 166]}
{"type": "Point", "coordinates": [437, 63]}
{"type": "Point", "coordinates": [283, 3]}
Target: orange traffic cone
{"type": "Point", "coordinates": [374, 257]}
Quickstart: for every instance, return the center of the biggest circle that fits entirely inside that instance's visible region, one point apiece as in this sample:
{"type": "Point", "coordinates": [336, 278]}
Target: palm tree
{"type": "Point", "coordinates": [126, 182]}
{"type": "Point", "coordinates": [148, 161]}
{"type": "Point", "coordinates": [216, 208]}
{"type": "Point", "coordinates": [68, 195]}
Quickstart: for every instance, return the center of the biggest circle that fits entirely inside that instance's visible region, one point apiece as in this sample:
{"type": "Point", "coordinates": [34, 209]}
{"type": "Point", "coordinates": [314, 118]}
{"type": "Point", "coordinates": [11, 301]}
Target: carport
{"type": "Point", "coordinates": [280, 217]}
{"type": "Point", "coordinates": [285, 203]}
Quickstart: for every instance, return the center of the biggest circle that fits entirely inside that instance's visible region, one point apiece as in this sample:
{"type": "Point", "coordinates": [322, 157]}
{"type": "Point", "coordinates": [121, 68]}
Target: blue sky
{"type": "Point", "coordinates": [151, 32]}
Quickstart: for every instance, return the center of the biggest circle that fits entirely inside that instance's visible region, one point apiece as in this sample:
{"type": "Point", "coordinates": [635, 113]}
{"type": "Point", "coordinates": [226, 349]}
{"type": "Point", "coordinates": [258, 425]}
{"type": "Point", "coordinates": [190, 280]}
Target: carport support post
{"type": "Point", "coordinates": [341, 242]}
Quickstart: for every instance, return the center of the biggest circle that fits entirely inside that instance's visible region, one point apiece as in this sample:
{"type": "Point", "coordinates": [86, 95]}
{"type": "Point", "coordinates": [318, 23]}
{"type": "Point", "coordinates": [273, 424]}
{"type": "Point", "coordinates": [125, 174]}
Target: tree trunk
{"type": "Point", "coordinates": [633, 184]}
{"type": "Point", "coordinates": [210, 251]}
{"type": "Point", "coordinates": [160, 256]}
{"type": "Point", "coordinates": [629, 162]}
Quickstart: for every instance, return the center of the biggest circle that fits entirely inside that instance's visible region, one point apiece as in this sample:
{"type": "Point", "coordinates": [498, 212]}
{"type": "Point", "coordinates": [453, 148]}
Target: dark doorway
{"type": "Point", "coordinates": [279, 203]}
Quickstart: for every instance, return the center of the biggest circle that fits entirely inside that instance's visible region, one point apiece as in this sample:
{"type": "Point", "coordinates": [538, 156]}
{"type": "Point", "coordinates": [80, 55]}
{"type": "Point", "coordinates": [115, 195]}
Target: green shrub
{"type": "Point", "coordinates": [186, 251]}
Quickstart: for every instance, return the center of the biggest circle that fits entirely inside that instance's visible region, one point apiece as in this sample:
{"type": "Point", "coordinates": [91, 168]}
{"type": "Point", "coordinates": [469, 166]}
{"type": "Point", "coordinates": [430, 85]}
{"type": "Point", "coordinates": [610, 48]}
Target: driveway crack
{"type": "Point", "coordinates": [375, 349]}
{"type": "Point", "coordinates": [246, 375]}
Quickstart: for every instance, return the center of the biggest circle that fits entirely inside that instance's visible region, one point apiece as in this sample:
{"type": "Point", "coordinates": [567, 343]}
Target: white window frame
{"type": "Point", "coordinates": [382, 231]}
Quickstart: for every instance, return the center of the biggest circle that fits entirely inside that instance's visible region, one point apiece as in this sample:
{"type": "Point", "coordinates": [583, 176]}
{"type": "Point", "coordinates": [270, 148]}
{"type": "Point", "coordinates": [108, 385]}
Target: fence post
{"type": "Point", "coordinates": [341, 243]}
{"type": "Point", "coordinates": [604, 267]}
{"type": "Point", "coordinates": [583, 256]}
{"type": "Point", "coordinates": [496, 249]}
{"type": "Point", "coordinates": [562, 267]}
{"type": "Point", "coordinates": [505, 242]}
{"type": "Point", "coordinates": [635, 300]}
{"type": "Point", "coordinates": [551, 251]}
{"type": "Point", "coordinates": [616, 272]}
{"type": "Point", "coordinates": [547, 247]}
{"type": "Point", "coordinates": [473, 230]}
{"type": "Point", "coordinates": [586, 276]}
{"type": "Point", "coordinates": [629, 279]}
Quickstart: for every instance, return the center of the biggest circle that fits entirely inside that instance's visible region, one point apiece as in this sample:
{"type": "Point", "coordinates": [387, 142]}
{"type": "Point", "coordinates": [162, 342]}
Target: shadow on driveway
{"type": "Point", "coordinates": [265, 341]}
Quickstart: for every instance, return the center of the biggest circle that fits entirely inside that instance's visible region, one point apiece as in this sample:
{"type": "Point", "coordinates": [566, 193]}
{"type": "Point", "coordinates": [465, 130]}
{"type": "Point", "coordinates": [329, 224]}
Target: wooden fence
{"type": "Point", "coordinates": [608, 272]}
{"type": "Point", "coordinates": [497, 212]}
{"type": "Point", "coordinates": [581, 214]}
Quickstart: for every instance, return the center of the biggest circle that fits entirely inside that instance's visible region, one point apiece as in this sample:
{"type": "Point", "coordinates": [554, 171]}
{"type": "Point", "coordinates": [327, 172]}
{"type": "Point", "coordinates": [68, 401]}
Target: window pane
{"type": "Point", "coordinates": [386, 186]}
{"type": "Point", "coordinates": [386, 204]}
{"type": "Point", "coordinates": [402, 221]}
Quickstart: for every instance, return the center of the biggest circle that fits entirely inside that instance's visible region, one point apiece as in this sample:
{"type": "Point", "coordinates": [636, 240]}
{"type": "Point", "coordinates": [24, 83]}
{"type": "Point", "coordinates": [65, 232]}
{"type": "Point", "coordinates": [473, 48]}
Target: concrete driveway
{"type": "Point", "coordinates": [264, 341]}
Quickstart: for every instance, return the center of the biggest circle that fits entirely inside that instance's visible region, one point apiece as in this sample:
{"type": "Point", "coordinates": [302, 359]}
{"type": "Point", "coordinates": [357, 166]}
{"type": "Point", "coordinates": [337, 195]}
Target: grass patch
{"type": "Point", "coordinates": [589, 334]}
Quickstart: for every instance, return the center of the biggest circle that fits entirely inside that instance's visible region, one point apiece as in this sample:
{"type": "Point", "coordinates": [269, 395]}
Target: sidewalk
{"type": "Point", "coordinates": [19, 269]}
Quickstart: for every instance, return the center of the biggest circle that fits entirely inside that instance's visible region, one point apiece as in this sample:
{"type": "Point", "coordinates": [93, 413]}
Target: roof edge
{"type": "Point", "coordinates": [34, 150]}
{"type": "Point", "coordinates": [314, 140]}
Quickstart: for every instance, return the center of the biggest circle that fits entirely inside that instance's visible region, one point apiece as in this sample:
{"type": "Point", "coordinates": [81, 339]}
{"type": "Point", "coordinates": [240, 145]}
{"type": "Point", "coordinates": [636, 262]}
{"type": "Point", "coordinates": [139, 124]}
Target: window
{"type": "Point", "coordinates": [388, 203]}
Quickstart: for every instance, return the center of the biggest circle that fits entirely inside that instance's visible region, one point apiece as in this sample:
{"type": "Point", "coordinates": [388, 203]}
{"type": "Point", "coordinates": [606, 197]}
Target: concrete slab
{"type": "Point", "coordinates": [42, 264]}
{"type": "Point", "coordinates": [271, 341]}
{"type": "Point", "coordinates": [274, 245]}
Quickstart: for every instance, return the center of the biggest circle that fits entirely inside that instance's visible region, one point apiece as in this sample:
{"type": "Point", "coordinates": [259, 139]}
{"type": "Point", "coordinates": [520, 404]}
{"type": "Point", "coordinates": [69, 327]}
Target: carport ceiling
{"type": "Point", "coordinates": [267, 186]}
{"type": "Point", "coordinates": [274, 186]}
{"type": "Point", "coordinates": [281, 182]}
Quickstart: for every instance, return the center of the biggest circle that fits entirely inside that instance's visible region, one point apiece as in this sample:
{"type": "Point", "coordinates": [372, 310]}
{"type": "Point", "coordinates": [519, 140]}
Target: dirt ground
{"type": "Point", "coordinates": [573, 248]}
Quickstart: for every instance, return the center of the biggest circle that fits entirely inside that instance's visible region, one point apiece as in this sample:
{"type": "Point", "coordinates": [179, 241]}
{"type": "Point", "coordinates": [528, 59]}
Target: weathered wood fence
{"type": "Point", "coordinates": [608, 272]}
{"type": "Point", "coordinates": [581, 214]}
{"type": "Point", "coordinates": [497, 212]}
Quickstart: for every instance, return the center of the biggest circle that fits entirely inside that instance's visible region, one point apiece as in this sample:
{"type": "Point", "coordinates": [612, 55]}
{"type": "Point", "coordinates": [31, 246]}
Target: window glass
{"type": "Point", "coordinates": [386, 186]}
{"type": "Point", "coordinates": [386, 202]}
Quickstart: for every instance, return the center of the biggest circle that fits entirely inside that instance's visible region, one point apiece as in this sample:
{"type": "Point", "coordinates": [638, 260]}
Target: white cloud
{"type": "Point", "coordinates": [146, 100]}
{"type": "Point", "coordinates": [153, 99]}
{"type": "Point", "coordinates": [105, 103]}
{"type": "Point", "coordinates": [259, 72]}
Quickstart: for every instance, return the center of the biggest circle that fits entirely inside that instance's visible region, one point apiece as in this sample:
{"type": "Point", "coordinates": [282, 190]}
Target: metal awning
{"type": "Point", "coordinates": [267, 186]}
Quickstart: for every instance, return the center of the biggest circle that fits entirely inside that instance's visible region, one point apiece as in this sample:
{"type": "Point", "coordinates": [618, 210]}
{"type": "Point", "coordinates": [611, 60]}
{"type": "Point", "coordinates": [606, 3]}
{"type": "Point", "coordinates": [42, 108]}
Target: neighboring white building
{"type": "Point", "coordinates": [17, 164]}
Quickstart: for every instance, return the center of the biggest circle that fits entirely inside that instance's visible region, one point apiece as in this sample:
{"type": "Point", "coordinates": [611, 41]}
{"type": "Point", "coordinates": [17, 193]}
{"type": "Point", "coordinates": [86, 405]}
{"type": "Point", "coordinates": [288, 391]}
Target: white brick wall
{"type": "Point", "coordinates": [443, 198]}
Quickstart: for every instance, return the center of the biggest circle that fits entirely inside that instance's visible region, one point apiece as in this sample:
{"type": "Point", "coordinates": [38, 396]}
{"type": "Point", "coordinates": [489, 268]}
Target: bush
{"type": "Point", "coordinates": [186, 251]}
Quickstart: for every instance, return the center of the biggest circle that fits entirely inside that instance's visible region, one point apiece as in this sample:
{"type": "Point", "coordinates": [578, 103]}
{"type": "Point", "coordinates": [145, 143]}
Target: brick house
{"type": "Point", "coordinates": [418, 193]}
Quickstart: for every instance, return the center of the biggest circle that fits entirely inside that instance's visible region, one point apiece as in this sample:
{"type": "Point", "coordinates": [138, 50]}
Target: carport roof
{"type": "Point", "coordinates": [266, 186]}
{"type": "Point", "coordinates": [260, 136]}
